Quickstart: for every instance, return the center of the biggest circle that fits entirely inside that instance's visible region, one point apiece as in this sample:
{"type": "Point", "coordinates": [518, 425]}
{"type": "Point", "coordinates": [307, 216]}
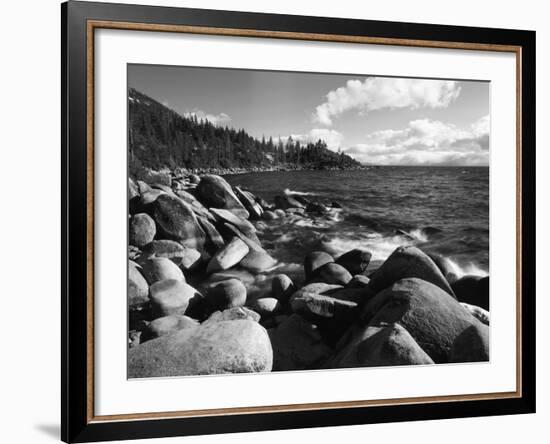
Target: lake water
{"type": "Point", "coordinates": [443, 210]}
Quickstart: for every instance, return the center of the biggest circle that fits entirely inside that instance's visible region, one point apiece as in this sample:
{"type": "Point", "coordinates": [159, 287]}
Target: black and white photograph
{"type": "Point", "coordinates": [284, 221]}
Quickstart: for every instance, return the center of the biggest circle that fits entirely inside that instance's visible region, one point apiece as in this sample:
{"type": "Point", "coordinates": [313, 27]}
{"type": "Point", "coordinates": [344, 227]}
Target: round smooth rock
{"type": "Point", "coordinates": [161, 268]}
{"type": "Point", "coordinates": [266, 306]}
{"type": "Point", "coordinates": [226, 294]}
{"type": "Point", "coordinates": [141, 229]}
{"type": "Point", "coordinates": [172, 297]}
{"type": "Point", "coordinates": [238, 346]}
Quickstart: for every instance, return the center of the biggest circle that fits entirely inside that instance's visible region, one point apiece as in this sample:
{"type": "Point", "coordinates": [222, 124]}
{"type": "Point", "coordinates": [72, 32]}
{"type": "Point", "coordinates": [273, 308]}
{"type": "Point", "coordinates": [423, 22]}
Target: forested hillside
{"type": "Point", "coordinates": [159, 137]}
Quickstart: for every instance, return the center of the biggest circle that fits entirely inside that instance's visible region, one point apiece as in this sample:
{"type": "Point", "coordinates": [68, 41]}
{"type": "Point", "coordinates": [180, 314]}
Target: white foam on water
{"type": "Point", "coordinates": [468, 269]}
{"type": "Point", "coordinates": [289, 192]}
{"type": "Point", "coordinates": [419, 235]}
{"type": "Point", "coordinates": [380, 246]}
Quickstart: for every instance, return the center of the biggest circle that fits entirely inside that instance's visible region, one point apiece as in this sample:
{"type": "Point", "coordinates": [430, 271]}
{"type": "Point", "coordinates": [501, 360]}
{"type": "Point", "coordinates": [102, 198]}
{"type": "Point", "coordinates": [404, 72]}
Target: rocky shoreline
{"type": "Point", "coordinates": [205, 297]}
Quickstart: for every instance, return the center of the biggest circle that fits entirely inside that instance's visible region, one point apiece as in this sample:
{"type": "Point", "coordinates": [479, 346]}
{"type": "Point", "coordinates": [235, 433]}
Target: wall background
{"type": "Point", "coordinates": [30, 220]}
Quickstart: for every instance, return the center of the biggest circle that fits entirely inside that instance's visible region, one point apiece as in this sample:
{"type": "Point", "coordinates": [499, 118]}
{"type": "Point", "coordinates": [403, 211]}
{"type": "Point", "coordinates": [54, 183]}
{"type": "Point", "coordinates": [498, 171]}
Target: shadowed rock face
{"type": "Point", "coordinates": [297, 344]}
{"type": "Point", "coordinates": [214, 191]}
{"type": "Point", "coordinates": [381, 346]}
{"type": "Point", "coordinates": [432, 317]}
{"type": "Point", "coordinates": [355, 261]}
{"type": "Point", "coordinates": [138, 289]}
{"type": "Point", "coordinates": [315, 260]}
{"type": "Point", "coordinates": [473, 290]}
{"type": "Point", "coordinates": [472, 345]}
{"type": "Point", "coordinates": [408, 262]}
{"type": "Point", "coordinates": [176, 220]}
{"type": "Point", "coordinates": [238, 346]}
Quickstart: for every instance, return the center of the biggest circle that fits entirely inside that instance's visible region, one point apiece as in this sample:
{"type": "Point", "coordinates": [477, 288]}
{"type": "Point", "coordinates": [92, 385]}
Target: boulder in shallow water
{"type": "Point", "coordinates": [408, 262]}
{"type": "Point", "coordinates": [228, 256]}
{"type": "Point", "coordinates": [226, 294]}
{"type": "Point", "coordinates": [473, 290]}
{"type": "Point", "coordinates": [138, 289]}
{"type": "Point", "coordinates": [332, 273]}
{"type": "Point", "coordinates": [315, 260]}
{"type": "Point", "coordinates": [251, 240]}
{"type": "Point", "coordinates": [257, 262]}
{"type": "Point", "coordinates": [214, 191]}
{"type": "Point", "coordinates": [355, 261]}
{"type": "Point", "coordinates": [239, 346]}
{"type": "Point", "coordinates": [161, 268]}
{"type": "Point", "coordinates": [381, 346]}
{"type": "Point", "coordinates": [472, 345]}
{"type": "Point", "coordinates": [297, 345]}
{"type": "Point", "coordinates": [176, 220]}
{"type": "Point", "coordinates": [282, 288]}
{"type": "Point", "coordinates": [313, 306]}
{"type": "Point", "coordinates": [167, 325]}
{"type": "Point", "coordinates": [280, 213]}
{"type": "Point", "coordinates": [172, 297]}
{"type": "Point", "coordinates": [431, 315]}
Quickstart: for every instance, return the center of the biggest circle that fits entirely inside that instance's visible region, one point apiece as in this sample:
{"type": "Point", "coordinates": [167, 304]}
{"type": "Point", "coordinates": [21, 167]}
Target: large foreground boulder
{"type": "Point", "coordinates": [297, 345]}
{"type": "Point", "coordinates": [239, 346]}
{"type": "Point", "coordinates": [214, 191]}
{"type": "Point", "coordinates": [176, 220]}
{"type": "Point", "coordinates": [408, 262]}
{"type": "Point", "coordinates": [432, 316]}
{"type": "Point", "coordinates": [381, 346]}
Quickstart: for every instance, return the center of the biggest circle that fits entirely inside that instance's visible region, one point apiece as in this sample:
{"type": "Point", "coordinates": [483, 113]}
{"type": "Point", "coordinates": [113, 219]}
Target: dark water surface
{"type": "Point", "coordinates": [443, 210]}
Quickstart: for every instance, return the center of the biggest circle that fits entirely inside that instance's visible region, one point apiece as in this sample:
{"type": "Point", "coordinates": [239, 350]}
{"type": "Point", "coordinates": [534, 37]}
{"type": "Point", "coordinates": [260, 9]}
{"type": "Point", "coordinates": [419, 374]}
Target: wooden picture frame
{"type": "Point", "coordinates": [79, 22]}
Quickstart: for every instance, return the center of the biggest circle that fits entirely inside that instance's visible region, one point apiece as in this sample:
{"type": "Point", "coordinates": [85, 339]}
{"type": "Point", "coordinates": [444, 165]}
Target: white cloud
{"type": "Point", "coordinates": [427, 142]}
{"type": "Point", "coordinates": [380, 92]}
{"type": "Point", "coordinates": [216, 119]}
{"type": "Point", "coordinates": [331, 137]}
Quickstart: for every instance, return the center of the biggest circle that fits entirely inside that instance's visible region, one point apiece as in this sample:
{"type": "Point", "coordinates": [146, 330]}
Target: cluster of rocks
{"type": "Point", "coordinates": [205, 297]}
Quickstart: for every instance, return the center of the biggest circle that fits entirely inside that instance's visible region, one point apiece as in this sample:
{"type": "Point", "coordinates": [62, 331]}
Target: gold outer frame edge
{"type": "Point", "coordinates": [92, 25]}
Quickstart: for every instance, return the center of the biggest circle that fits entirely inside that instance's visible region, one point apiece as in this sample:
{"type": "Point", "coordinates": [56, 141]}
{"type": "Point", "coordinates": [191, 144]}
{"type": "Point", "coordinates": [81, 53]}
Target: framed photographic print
{"type": "Point", "coordinates": [275, 221]}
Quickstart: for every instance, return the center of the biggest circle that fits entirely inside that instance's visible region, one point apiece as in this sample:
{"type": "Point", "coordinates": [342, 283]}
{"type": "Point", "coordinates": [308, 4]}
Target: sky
{"type": "Point", "coordinates": [376, 120]}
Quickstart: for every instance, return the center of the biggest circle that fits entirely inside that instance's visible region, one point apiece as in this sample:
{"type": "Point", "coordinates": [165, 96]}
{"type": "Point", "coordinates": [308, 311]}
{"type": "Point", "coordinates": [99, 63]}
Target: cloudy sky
{"type": "Point", "coordinates": [377, 120]}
